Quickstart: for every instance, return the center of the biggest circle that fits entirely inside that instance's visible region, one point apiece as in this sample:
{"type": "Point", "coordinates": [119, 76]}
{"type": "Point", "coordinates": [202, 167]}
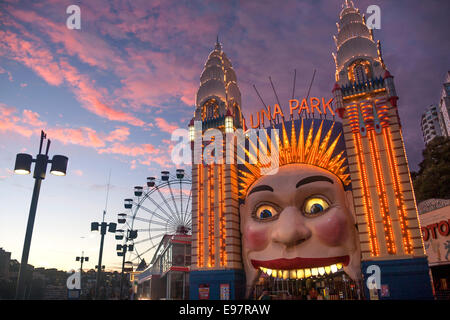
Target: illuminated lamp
{"type": "Point", "coordinates": [229, 128]}
{"type": "Point", "coordinates": [180, 173]}
{"type": "Point", "coordinates": [150, 182]}
{"type": "Point", "coordinates": [164, 175]}
{"type": "Point", "coordinates": [138, 191]}
{"type": "Point", "coordinates": [128, 203]}
{"type": "Point", "coordinates": [59, 165]}
{"type": "Point", "coordinates": [191, 130]}
{"type": "Point", "coordinates": [23, 163]}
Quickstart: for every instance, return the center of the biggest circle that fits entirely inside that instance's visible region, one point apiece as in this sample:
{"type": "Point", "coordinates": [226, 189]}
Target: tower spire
{"type": "Point", "coordinates": [218, 45]}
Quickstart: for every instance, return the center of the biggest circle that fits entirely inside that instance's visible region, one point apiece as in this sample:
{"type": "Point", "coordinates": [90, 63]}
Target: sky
{"type": "Point", "coordinates": [110, 94]}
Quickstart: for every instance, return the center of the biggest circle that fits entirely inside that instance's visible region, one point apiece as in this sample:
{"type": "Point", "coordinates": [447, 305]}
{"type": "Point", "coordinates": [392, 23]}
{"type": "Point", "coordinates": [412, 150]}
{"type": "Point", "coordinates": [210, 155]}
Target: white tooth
{"type": "Point", "coordinates": [328, 269]}
{"type": "Point", "coordinates": [269, 271]}
{"type": "Point", "coordinates": [285, 274]}
{"type": "Point", "coordinates": [293, 274]}
{"type": "Point", "coordinates": [334, 268]}
{"type": "Point", "coordinates": [314, 272]}
{"type": "Point", "coordinates": [339, 266]}
{"type": "Point", "coordinates": [300, 274]}
{"type": "Point", "coordinates": [307, 273]}
{"type": "Point", "coordinates": [321, 271]}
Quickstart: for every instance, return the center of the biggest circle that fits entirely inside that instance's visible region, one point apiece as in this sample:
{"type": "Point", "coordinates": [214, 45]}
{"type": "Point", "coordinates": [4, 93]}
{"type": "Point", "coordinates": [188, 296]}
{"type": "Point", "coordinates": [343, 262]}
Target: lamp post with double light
{"type": "Point", "coordinates": [23, 166]}
{"type": "Point", "coordinates": [103, 226]}
{"type": "Point", "coordinates": [122, 251]}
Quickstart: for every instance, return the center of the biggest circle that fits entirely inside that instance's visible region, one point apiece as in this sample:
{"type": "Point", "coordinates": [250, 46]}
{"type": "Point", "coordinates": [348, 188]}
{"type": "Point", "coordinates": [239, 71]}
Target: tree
{"type": "Point", "coordinates": [433, 178]}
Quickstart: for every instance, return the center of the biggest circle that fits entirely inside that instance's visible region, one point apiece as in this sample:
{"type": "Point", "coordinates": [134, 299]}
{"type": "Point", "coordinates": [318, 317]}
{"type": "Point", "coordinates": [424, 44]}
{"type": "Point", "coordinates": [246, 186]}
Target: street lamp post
{"type": "Point", "coordinates": [81, 259]}
{"type": "Point", "coordinates": [103, 227]}
{"type": "Point", "coordinates": [131, 235]}
{"type": "Point", "coordinates": [23, 166]}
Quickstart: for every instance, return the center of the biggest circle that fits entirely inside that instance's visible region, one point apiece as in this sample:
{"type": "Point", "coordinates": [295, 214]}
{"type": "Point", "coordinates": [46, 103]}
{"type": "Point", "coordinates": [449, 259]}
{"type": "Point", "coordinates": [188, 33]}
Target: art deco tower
{"type": "Point", "coordinates": [386, 213]}
{"type": "Point", "coordinates": [216, 252]}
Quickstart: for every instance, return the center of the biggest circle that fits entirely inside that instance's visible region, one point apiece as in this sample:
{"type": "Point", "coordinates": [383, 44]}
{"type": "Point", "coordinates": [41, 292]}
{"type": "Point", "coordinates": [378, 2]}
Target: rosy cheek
{"type": "Point", "coordinates": [333, 230]}
{"type": "Point", "coordinates": [256, 237]}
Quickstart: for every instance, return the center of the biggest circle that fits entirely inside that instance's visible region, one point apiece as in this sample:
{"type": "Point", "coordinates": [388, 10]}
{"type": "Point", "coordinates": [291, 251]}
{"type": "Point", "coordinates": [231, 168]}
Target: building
{"type": "Point", "coordinates": [444, 107]}
{"type": "Point", "coordinates": [216, 255]}
{"type": "Point", "coordinates": [434, 217]}
{"type": "Point", "coordinates": [5, 259]}
{"type": "Point", "coordinates": [167, 277]}
{"type": "Point", "coordinates": [431, 123]}
{"type": "Point", "coordinates": [383, 195]}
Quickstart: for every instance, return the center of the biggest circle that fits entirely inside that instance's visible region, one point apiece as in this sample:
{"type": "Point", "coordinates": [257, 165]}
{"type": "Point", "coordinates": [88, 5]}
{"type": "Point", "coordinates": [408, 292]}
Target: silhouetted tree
{"type": "Point", "coordinates": [433, 178]}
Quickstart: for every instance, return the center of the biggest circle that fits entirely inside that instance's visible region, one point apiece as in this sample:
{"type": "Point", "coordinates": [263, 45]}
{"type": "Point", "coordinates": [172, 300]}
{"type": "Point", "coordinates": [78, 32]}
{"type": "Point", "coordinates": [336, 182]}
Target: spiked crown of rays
{"type": "Point", "coordinates": [293, 149]}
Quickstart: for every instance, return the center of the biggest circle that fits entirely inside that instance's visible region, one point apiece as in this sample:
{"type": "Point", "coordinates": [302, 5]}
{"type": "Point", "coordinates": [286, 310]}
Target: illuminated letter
{"type": "Point", "coordinates": [293, 108]}
{"type": "Point", "coordinates": [327, 105]}
{"type": "Point", "coordinates": [315, 105]}
{"type": "Point", "coordinates": [251, 121]}
{"type": "Point", "coordinates": [267, 114]}
{"type": "Point", "coordinates": [277, 110]}
{"type": "Point", "coordinates": [303, 106]}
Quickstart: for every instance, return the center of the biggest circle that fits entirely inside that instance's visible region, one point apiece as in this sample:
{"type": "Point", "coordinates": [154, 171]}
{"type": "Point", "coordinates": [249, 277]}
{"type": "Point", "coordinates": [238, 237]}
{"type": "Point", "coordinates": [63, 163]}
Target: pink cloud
{"type": "Point", "coordinates": [119, 134]}
{"type": "Point", "coordinates": [32, 118]}
{"type": "Point", "coordinates": [129, 150]}
{"type": "Point", "coordinates": [165, 126]}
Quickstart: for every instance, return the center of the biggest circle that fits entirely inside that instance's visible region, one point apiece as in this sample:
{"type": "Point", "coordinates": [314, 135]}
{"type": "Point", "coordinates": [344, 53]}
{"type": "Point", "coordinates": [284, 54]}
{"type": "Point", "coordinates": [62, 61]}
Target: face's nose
{"type": "Point", "coordinates": [290, 229]}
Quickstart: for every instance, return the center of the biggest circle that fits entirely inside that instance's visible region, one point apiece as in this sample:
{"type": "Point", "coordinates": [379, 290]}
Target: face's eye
{"type": "Point", "coordinates": [315, 206]}
{"type": "Point", "coordinates": [265, 212]}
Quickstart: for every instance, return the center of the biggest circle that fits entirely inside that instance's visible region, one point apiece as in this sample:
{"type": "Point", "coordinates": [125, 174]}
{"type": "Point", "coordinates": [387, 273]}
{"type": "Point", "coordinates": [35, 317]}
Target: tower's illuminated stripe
{"type": "Point", "coordinates": [222, 216]}
{"type": "Point", "coordinates": [381, 191]}
{"type": "Point", "coordinates": [406, 237]}
{"type": "Point", "coordinates": [211, 215]}
{"type": "Point", "coordinates": [374, 249]}
{"type": "Point", "coordinates": [200, 216]}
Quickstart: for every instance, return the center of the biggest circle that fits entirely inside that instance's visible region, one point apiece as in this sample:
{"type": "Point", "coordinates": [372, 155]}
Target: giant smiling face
{"type": "Point", "coordinates": [297, 221]}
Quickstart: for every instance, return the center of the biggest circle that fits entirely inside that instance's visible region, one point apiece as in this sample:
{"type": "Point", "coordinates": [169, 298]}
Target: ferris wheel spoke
{"type": "Point", "coordinates": [143, 220]}
{"type": "Point", "coordinates": [187, 205]}
{"type": "Point", "coordinates": [152, 229]}
{"type": "Point", "coordinates": [164, 199]}
{"type": "Point", "coordinates": [155, 214]}
{"type": "Point", "coordinates": [181, 198]}
{"type": "Point", "coordinates": [174, 202]}
{"type": "Point", "coordinates": [159, 207]}
{"type": "Point", "coordinates": [152, 247]}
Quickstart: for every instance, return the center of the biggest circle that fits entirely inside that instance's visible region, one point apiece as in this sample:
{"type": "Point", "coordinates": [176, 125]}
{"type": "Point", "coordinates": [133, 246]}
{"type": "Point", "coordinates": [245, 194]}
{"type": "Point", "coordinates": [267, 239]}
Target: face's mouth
{"type": "Point", "coordinates": [299, 268]}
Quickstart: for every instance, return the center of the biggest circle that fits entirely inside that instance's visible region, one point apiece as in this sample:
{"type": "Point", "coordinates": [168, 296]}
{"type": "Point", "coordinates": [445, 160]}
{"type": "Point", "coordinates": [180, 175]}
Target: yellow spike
{"type": "Point", "coordinates": [301, 144]}
{"type": "Point", "coordinates": [293, 142]}
{"type": "Point", "coordinates": [324, 145]}
{"type": "Point", "coordinates": [308, 142]}
{"type": "Point", "coordinates": [312, 154]}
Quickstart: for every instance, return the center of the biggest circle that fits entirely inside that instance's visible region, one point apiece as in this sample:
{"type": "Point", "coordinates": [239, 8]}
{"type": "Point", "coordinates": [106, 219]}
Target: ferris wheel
{"type": "Point", "coordinates": [162, 207]}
